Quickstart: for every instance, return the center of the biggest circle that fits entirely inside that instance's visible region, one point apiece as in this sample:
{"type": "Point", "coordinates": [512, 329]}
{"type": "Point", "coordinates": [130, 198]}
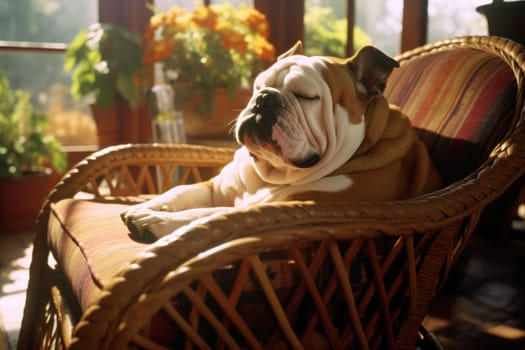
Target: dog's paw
{"type": "Point", "coordinates": [149, 225]}
{"type": "Point", "coordinates": [141, 209]}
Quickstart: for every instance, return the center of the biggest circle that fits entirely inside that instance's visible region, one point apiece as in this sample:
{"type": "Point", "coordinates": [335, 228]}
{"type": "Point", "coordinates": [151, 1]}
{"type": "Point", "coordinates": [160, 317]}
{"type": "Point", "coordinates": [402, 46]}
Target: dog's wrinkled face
{"type": "Point", "coordinates": [283, 117]}
{"type": "Point", "coordinates": [306, 114]}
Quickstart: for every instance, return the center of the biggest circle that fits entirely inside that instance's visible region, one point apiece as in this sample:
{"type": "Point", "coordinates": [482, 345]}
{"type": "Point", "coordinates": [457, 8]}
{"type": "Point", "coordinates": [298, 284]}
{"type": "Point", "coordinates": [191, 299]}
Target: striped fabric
{"type": "Point", "coordinates": [90, 242]}
{"type": "Point", "coordinates": [460, 101]}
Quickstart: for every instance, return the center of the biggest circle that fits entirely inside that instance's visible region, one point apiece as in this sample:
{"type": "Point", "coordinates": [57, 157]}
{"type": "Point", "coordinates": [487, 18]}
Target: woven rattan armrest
{"type": "Point", "coordinates": [83, 176]}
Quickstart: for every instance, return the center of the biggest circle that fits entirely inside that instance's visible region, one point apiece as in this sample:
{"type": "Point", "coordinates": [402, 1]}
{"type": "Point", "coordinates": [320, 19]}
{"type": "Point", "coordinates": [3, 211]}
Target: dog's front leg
{"type": "Point", "coordinates": [170, 210]}
{"type": "Point", "coordinates": [150, 225]}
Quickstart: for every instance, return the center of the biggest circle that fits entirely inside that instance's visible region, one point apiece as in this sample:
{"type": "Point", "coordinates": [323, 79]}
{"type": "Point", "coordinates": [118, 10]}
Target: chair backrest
{"type": "Point", "coordinates": [461, 99]}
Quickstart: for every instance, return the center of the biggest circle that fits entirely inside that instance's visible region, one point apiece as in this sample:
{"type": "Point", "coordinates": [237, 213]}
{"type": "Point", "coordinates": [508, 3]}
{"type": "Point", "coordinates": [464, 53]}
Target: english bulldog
{"type": "Point", "coordinates": [316, 128]}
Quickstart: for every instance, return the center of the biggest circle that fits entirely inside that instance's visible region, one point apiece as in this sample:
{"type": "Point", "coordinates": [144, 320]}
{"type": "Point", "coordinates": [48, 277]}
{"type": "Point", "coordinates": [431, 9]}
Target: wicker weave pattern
{"type": "Point", "coordinates": [427, 234]}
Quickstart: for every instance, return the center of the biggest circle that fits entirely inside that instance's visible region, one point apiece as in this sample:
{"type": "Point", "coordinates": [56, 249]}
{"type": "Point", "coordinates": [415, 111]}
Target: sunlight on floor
{"type": "Point", "coordinates": [18, 274]}
{"type": "Point", "coordinates": [14, 265]}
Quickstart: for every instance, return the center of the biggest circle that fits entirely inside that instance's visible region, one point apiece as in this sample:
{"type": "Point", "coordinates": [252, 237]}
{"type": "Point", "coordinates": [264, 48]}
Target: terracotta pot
{"type": "Point", "coordinates": [505, 18]}
{"type": "Point", "coordinates": [107, 121]}
{"type": "Point", "coordinates": [119, 123]}
{"type": "Point", "coordinates": [220, 121]}
{"type": "Point", "coordinates": [21, 199]}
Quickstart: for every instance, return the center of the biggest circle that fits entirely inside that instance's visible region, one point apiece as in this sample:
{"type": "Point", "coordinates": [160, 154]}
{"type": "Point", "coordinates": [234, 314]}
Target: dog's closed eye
{"type": "Point", "coordinates": [306, 97]}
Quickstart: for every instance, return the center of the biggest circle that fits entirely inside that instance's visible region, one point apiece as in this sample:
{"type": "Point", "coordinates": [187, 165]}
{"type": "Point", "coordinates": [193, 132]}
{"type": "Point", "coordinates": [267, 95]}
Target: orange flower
{"type": "Point", "coordinates": [157, 20]}
{"type": "Point", "coordinates": [149, 33]}
{"type": "Point", "coordinates": [178, 18]}
{"type": "Point", "coordinates": [255, 20]}
{"type": "Point", "coordinates": [263, 49]}
{"type": "Point", "coordinates": [232, 39]}
{"type": "Point", "coordinates": [230, 43]}
{"type": "Point", "coordinates": [204, 17]}
{"type": "Point", "coordinates": [158, 50]}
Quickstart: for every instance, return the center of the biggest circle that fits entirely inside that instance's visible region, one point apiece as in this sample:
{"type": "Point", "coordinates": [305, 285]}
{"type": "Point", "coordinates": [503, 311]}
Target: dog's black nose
{"type": "Point", "coordinates": [264, 112]}
{"type": "Point", "coordinates": [266, 103]}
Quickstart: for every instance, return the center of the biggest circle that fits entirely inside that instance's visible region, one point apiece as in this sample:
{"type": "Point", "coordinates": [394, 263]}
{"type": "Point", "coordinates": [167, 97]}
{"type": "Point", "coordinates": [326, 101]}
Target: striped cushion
{"type": "Point", "coordinates": [461, 101]}
{"type": "Point", "coordinates": [90, 243]}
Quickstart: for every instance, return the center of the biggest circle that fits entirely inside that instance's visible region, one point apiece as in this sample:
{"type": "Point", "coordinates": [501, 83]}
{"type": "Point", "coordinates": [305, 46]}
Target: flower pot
{"type": "Point", "coordinates": [219, 122]}
{"type": "Point", "coordinates": [21, 200]}
{"type": "Point", "coordinates": [120, 123]}
{"type": "Point", "coordinates": [505, 19]}
{"type": "Point", "coordinates": [107, 121]}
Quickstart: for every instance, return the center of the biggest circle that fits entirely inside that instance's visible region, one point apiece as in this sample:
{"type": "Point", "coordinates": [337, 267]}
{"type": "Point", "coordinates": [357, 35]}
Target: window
{"type": "Point", "coordinates": [377, 22]}
{"type": "Point", "coordinates": [447, 19]}
{"type": "Point", "coordinates": [380, 23]}
{"type": "Point", "coordinates": [325, 27]}
{"type": "Point", "coordinates": [33, 35]}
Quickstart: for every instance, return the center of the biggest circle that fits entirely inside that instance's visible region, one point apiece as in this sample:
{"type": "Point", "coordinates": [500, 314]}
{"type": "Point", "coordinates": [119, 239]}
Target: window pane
{"type": "Point", "coordinates": [381, 21]}
{"type": "Point", "coordinates": [234, 3]}
{"type": "Point", "coordinates": [447, 19]}
{"type": "Point", "coordinates": [164, 5]}
{"type": "Point", "coordinates": [190, 4]}
{"type": "Point", "coordinates": [45, 20]}
{"type": "Point", "coordinates": [325, 27]}
{"type": "Point", "coordinates": [42, 74]}
{"type": "Point", "coordinates": [377, 22]}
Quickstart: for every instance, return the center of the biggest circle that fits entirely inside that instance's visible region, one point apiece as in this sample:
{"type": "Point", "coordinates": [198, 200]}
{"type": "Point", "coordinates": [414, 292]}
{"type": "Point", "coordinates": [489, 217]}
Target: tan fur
{"type": "Point", "coordinates": [391, 163]}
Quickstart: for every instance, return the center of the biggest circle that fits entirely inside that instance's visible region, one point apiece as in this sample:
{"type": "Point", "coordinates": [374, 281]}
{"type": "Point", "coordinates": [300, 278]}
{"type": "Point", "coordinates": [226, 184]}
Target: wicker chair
{"type": "Point", "coordinates": [289, 274]}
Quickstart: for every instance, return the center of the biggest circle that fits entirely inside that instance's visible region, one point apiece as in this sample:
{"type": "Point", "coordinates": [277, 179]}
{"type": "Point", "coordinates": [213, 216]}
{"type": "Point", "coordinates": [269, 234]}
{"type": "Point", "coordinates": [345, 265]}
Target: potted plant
{"type": "Point", "coordinates": [106, 62]}
{"type": "Point", "coordinates": [27, 153]}
{"type": "Point", "coordinates": [107, 69]}
{"type": "Point", "coordinates": [206, 53]}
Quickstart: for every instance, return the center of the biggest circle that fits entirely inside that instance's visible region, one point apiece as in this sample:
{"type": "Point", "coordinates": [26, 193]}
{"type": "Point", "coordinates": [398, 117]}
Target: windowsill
{"type": "Point", "coordinates": [81, 148]}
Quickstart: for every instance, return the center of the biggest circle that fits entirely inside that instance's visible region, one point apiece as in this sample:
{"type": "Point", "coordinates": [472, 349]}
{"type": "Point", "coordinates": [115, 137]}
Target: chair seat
{"type": "Point", "coordinates": [89, 242]}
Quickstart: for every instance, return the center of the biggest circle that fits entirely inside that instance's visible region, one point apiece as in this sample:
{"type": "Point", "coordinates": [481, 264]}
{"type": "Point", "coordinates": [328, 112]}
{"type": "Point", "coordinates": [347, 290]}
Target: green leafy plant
{"type": "Point", "coordinates": [326, 35]}
{"type": "Point", "coordinates": [106, 61]}
{"type": "Point", "coordinates": [24, 144]}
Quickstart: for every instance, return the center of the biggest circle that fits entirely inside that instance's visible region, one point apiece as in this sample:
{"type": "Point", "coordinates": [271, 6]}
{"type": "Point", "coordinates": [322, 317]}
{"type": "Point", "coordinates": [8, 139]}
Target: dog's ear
{"type": "Point", "coordinates": [372, 68]}
{"type": "Point", "coordinates": [297, 49]}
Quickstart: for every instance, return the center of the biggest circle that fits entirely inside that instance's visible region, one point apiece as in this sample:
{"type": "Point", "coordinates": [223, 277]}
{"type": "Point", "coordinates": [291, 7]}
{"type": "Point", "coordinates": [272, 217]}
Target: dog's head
{"type": "Point", "coordinates": [306, 114]}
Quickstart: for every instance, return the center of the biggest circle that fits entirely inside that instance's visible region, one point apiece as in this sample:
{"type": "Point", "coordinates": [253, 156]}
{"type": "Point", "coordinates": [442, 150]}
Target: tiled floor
{"type": "Point", "coordinates": [482, 307]}
{"type": "Point", "coordinates": [15, 256]}
{"type": "Point", "coordinates": [483, 304]}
